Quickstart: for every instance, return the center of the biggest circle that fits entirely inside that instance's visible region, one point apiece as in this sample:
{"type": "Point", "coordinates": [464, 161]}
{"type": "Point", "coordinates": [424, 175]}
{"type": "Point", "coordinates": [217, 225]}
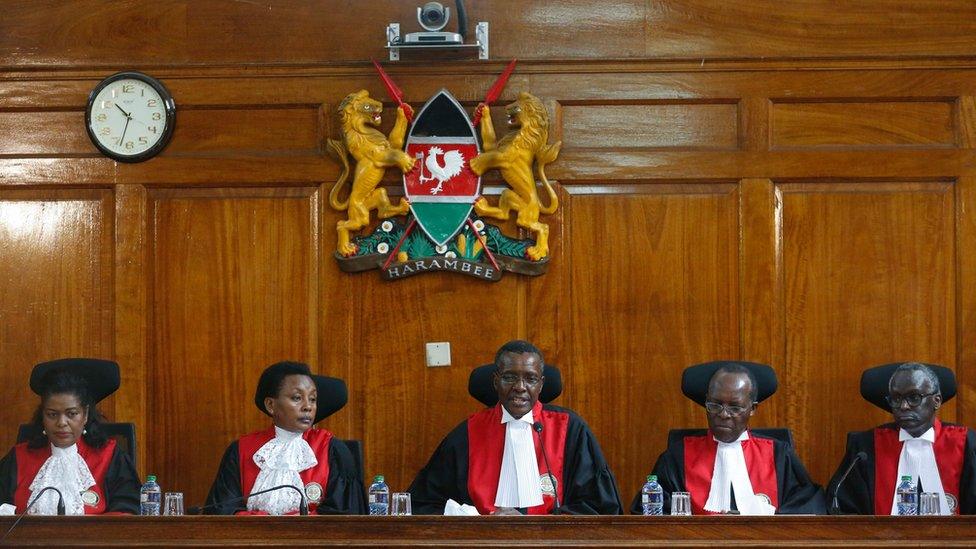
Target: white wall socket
{"type": "Point", "coordinates": [438, 354]}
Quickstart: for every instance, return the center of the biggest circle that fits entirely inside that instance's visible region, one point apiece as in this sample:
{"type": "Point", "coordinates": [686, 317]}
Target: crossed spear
{"type": "Point", "coordinates": [395, 93]}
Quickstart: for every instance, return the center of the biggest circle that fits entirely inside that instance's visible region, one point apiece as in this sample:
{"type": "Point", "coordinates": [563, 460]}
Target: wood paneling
{"type": "Point", "coordinates": [869, 279]}
{"type": "Point", "coordinates": [231, 276]}
{"type": "Point", "coordinates": [188, 32]}
{"type": "Point", "coordinates": [647, 301]}
{"type": "Point", "coordinates": [55, 288]}
{"type": "Point", "coordinates": [476, 319]}
{"type": "Point", "coordinates": [264, 132]}
{"type": "Point", "coordinates": [863, 124]}
{"type": "Point", "coordinates": [786, 183]}
{"type": "Point", "coordinates": [690, 126]}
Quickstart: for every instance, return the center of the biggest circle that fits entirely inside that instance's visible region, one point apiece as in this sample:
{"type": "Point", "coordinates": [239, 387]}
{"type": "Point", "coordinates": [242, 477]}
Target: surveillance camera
{"type": "Point", "coordinates": [433, 16]}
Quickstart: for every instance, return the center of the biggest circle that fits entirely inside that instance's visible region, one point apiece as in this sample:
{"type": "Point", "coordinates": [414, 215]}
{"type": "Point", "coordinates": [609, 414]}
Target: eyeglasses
{"type": "Point", "coordinates": [716, 408]}
{"type": "Point", "coordinates": [913, 399]}
{"type": "Point", "coordinates": [512, 379]}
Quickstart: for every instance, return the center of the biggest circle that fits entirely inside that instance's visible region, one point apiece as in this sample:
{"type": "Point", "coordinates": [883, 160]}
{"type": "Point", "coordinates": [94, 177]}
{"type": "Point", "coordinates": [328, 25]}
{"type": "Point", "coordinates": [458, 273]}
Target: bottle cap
{"type": "Point", "coordinates": [651, 478]}
{"type": "Point", "coordinates": [379, 478]}
{"type": "Point", "coordinates": [150, 478]}
{"type": "Point", "coordinates": [906, 477]}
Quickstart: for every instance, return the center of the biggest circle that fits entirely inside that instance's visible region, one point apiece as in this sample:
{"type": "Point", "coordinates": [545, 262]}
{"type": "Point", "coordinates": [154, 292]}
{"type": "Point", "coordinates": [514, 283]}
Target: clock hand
{"type": "Point", "coordinates": [127, 115]}
{"type": "Point", "coordinates": [122, 139]}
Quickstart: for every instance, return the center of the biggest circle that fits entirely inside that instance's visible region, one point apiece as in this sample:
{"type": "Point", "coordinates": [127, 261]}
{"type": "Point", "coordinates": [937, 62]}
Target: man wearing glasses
{"type": "Point", "coordinates": [938, 456]}
{"type": "Point", "coordinates": [729, 469]}
{"type": "Point", "coordinates": [499, 460]}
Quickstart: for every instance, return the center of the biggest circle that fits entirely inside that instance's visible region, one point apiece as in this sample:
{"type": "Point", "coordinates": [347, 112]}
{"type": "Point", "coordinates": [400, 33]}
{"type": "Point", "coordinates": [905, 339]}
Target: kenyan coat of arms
{"type": "Point", "coordinates": [440, 222]}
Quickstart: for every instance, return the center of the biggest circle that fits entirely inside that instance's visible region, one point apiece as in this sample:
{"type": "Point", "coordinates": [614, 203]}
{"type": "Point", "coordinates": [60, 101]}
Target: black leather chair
{"type": "Point", "coordinates": [356, 448]}
{"type": "Point", "coordinates": [124, 435]}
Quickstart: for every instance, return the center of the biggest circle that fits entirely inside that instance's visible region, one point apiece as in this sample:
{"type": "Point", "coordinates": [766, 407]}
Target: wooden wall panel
{"type": "Point", "coordinates": [231, 278]}
{"type": "Point", "coordinates": [394, 323]}
{"type": "Point", "coordinates": [870, 278]}
{"type": "Point", "coordinates": [680, 126]}
{"type": "Point", "coordinates": [646, 302]}
{"type": "Point", "coordinates": [187, 32]}
{"type": "Point", "coordinates": [799, 177]}
{"type": "Point", "coordinates": [863, 124]}
{"type": "Point", "coordinates": [55, 288]}
{"type": "Point", "coordinates": [264, 131]}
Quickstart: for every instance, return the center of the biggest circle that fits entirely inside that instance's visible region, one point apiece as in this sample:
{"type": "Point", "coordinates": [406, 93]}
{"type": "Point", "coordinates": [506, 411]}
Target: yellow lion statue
{"type": "Point", "coordinates": [360, 116]}
{"type": "Point", "coordinates": [513, 156]}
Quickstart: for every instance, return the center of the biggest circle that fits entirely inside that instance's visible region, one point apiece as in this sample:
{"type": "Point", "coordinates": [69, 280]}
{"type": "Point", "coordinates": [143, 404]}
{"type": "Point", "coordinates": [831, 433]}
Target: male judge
{"type": "Point", "coordinates": [940, 457]}
{"type": "Point", "coordinates": [495, 459]}
{"type": "Point", "coordinates": [730, 469]}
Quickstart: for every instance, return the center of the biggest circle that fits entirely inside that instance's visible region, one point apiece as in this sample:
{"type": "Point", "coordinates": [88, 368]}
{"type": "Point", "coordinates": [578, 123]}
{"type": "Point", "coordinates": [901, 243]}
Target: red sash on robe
{"type": "Point", "coordinates": [949, 448]}
{"type": "Point", "coordinates": [30, 460]}
{"type": "Point", "coordinates": [318, 439]}
{"type": "Point", "coordinates": [700, 454]}
{"type": "Point", "coordinates": [486, 446]}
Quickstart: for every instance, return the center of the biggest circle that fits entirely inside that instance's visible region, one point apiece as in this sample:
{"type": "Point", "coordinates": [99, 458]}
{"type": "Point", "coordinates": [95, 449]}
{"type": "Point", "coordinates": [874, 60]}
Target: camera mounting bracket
{"type": "Point", "coordinates": [396, 44]}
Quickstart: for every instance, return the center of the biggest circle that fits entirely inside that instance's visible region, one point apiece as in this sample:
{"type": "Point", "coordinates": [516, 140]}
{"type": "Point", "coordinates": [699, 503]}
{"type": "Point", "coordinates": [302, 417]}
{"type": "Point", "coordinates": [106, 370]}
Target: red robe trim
{"type": "Point", "coordinates": [949, 448]}
{"type": "Point", "coordinates": [318, 439]}
{"type": "Point", "coordinates": [30, 461]}
{"type": "Point", "coordinates": [486, 447]}
{"type": "Point", "coordinates": [700, 454]}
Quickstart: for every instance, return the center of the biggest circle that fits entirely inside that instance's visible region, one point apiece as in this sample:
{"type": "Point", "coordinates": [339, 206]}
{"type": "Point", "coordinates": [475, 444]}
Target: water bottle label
{"type": "Point", "coordinates": [645, 498]}
{"type": "Point", "coordinates": [372, 498]}
{"type": "Point", "coordinates": [143, 497]}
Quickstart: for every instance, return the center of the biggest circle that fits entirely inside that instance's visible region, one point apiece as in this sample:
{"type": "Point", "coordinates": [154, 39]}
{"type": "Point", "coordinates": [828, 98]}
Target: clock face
{"type": "Point", "coordinates": [130, 116]}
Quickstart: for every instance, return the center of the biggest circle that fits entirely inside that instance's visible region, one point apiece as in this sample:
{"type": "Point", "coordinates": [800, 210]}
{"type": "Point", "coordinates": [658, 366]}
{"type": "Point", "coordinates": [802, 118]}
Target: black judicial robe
{"type": "Point", "coordinates": [116, 482]}
{"type": "Point", "coordinates": [343, 495]}
{"type": "Point", "coordinates": [796, 492]}
{"type": "Point", "coordinates": [584, 481]}
{"type": "Point", "coordinates": [857, 494]}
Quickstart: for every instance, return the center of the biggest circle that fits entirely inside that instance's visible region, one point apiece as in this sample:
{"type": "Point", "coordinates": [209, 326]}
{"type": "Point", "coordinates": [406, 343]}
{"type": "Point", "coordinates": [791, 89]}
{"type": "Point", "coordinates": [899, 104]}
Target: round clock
{"type": "Point", "coordinates": [130, 116]}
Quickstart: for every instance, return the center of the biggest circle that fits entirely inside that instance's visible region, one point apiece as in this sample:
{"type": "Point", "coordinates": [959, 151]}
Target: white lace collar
{"type": "Point", "coordinates": [280, 460]}
{"type": "Point", "coordinates": [67, 471]}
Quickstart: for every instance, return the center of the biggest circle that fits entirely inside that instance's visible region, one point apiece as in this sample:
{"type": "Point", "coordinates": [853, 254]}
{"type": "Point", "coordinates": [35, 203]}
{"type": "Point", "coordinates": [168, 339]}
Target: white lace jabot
{"type": "Point", "coordinates": [66, 471]}
{"type": "Point", "coordinates": [281, 460]}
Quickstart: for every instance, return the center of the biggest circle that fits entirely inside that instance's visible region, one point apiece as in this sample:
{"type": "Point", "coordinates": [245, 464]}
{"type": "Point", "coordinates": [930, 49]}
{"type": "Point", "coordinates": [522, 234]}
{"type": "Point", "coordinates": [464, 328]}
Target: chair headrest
{"type": "Point", "coordinates": [694, 380]}
{"type": "Point", "coordinates": [874, 383]}
{"type": "Point", "coordinates": [482, 389]}
{"type": "Point", "coordinates": [101, 376]}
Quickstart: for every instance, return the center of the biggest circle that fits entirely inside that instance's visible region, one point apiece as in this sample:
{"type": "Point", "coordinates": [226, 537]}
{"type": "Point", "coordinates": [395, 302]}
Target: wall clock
{"type": "Point", "coordinates": [130, 116]}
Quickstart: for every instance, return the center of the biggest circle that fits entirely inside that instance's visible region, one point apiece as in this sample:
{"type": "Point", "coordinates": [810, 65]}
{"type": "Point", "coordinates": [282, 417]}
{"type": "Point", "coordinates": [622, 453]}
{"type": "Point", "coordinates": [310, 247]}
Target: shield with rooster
{"type": "Point", "coordinates": [442, 188]}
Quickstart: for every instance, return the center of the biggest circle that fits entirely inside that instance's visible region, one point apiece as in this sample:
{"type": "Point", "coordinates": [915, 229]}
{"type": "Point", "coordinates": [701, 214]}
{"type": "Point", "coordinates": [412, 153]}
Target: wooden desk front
{"type": "Point", "coordinates": [779, 531]}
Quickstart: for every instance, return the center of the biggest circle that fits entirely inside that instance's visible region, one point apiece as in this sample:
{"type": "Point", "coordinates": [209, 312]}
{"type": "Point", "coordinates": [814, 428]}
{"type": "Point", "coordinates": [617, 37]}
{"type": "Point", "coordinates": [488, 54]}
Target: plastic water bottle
{"type": "Point", "coordinates": [907, 497]}
{"type": "Point", "coordinates": [379, 497]}
{"type": "Point", "coordinates": [652, 497]}
{"type": "Point", "coordinates": [149, 497]}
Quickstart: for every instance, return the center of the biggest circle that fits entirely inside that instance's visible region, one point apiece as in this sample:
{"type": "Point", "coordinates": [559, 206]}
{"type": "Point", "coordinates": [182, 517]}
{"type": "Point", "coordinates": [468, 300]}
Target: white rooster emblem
{"type": "Point", "coordinates": [453, 163]}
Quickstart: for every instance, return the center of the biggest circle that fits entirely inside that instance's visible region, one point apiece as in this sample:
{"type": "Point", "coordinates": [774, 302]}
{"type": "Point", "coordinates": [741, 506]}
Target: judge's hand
{"type": "Point", "coordinates": [506, 511]}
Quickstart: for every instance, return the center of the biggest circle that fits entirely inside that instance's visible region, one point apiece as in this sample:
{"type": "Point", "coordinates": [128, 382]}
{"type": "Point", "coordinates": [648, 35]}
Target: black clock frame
{"type": "Point", "coordinates": [168, 103]}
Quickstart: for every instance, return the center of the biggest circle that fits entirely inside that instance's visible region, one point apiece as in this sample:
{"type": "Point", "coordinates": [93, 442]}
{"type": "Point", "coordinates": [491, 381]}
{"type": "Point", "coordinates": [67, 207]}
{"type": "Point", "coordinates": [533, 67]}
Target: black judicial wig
{"type": "Point", "coordinates": [64, 382]}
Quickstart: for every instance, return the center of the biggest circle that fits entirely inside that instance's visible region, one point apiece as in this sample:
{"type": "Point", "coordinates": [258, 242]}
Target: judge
{"type": "Point", "coordinates": [495, 460]}
{"type": "Point", "coordinates": [70, 451]}
{"type": "Point", "coordinates": [940, 457]}
{"type": "Point", "coordinates": [730, 469]}
{"type": "Point", "coordinates": [291, 451]}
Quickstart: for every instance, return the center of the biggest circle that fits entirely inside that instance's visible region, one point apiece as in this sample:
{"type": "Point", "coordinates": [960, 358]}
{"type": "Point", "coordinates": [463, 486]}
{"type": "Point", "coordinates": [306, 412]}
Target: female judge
{"type": "Point", "coordinates": [292, 451]}
{"type": "Point", "coordinates": [70, 451]}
